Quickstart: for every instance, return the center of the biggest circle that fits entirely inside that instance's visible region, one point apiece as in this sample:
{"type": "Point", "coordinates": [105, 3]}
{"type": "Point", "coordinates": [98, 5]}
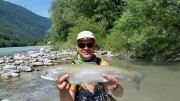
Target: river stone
{"type": "Point", "coordinates": [17, 56]}
{"type": "Point", "coordinates": [103, 53]}
{"type": "Point", "coordinates": [35, 55]}
{"type": "Point", "coordinates": [1, 61]}
{"type": "Point", "coordinates": [24, 68]}
{"type": "Point", "coordinates": [18, 62]}
{"type": "Point", "coordinates": [4, 100]}
{"type": "Point", "coordinates": [37, 64]}
{"type": "Point", "coordinates": [42, 49]}
{"type": "Point", "coordinates": [8, 68]}
{"type": "Point", "coordinates": [1, 72]}
{"type": "Point", "coordinates": [5, 75]}
{"type": "Point", "coordinates": [48, 63]}
{"type": "Point", "coordinates": [15, 74]}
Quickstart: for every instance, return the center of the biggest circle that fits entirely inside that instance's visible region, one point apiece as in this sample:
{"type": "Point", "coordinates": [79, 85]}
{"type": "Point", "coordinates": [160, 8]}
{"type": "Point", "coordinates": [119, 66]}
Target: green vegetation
{"type": "Point", "coordinates": [19, 26]}
{"type": "Point", "coordinates": [145, 28]}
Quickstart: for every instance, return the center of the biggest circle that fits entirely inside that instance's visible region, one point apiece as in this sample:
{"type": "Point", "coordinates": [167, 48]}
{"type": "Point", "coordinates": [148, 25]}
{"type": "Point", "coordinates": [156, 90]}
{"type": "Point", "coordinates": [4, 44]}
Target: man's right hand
{"type": "Point", "coordinates": [62, 83]}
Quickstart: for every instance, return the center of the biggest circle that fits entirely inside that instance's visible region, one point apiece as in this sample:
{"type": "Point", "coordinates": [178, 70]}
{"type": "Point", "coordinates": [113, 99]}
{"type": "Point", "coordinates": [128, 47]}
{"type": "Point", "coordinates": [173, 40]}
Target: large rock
{"type": "Point", "coordinates": [35, 55]}
{"type": "Point", "coordinates": [9, 74]}
{"type": "Point", "coordinates": [8, 68]}
{"type": "Point", "coordinates": [2, 60]}
{"type": "Point", "coordinates": [15, 75]}
{"type": "Point", "coordinates": [18, 62]}
{"type": "Point", "coordinates": [24, 68]}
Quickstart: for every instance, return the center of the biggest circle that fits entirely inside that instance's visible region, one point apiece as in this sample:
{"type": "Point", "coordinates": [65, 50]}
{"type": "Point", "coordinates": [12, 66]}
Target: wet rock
{"type": "Point", "coordinates": [15, 75]}
{"type": "Point", "coordinates": [36, 64]}
{"type": "Point", "coordinates": [48, 63]}
{"type": "Point", "coordinates": [37, 69]}
{"type": "Point", "coordinates": [4, 100]}
{"type": "Point", "coordinates": [9, 74]}
{"type": "Point", "coordinates": [1, 72]}
{"type": "Point", "coordinates": [5, 75]}
{"type": "Point", "coordinates": [24, 68]}
{"type": "Point", "coordinates": [103, 53]}
{"type": "Point", "coordinates": [35, 55]}
{"type": "Point", "coordinates": [18, 62]}
{"type": "Point", "coordinates": [8, 68]}
{"type": "Point", "coordinates": [1, 60]}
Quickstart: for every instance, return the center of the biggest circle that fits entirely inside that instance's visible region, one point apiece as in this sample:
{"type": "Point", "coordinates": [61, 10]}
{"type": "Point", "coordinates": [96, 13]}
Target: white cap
{"type": "Point", "coordinates": [85, 34]}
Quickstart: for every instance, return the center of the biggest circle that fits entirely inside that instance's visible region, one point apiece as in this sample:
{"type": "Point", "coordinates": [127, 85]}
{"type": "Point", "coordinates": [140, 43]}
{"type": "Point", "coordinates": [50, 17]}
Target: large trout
{"type": "Point", "coordinates": [87, 73]}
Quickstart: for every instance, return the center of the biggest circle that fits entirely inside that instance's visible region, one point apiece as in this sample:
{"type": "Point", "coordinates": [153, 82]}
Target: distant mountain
{"type": "Point", "coordinates": [19, 26]}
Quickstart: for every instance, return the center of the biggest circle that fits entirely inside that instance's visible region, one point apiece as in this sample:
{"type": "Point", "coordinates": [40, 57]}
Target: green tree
{"type": "Point", "coordinates": [151, 28]}
{"type": "Point", "coordinates": [65, 14]}
{"type": "Point", "coordinates": [83, 23]}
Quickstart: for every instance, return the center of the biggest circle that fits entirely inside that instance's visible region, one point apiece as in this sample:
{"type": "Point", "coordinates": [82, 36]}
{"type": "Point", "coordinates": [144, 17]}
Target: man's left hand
{"type": "Point", "coordinates": [112, 82]}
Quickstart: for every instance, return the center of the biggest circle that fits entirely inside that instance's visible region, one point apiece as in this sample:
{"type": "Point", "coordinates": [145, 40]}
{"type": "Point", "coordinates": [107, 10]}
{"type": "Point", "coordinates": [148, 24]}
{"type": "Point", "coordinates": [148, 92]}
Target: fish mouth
{"type": "Point", "coordinates": [45, 75]}
{"type": "Point", "coordinates": [48, 78]}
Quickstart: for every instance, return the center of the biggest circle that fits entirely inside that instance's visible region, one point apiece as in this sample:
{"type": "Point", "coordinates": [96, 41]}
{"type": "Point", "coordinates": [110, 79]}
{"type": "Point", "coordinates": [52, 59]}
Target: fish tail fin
{"type": "Point", "coordinates": [136, 78]}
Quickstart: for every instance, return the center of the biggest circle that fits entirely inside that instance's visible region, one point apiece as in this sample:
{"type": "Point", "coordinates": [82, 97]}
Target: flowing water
{"type": "Point", "coordinates": [12, 50]}
{"type": "Point", "coordinates": [161, 83]}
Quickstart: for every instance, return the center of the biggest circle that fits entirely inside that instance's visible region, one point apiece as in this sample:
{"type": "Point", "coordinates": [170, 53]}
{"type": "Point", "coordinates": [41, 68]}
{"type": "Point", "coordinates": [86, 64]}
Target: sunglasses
{"type": "Point", "coordinates": [88, 45]}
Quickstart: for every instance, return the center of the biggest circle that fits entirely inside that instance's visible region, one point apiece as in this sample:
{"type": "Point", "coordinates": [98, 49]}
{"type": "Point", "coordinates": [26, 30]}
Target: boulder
{"type": "Point", "coordinates": [24, 68]}
{"type": "Point", "coordinates": [8, 68]}
{"type": "Point", "coordinates": [18, 62]}
{"type": "Point", "coordinates": [15, 75]}
{"type": "Point", "coordinates": [1, 60]}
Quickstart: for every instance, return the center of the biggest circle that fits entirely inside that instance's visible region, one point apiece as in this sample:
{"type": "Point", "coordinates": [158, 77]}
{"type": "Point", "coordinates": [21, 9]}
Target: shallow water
{"type": "Point", "coordinates": [12, 50]}
{"type": "Point", "coordinates": [161, 83]}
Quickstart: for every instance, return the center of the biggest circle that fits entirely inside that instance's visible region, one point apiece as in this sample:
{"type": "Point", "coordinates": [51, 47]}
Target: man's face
{"type": "Point", "coordinates": [86, 48]}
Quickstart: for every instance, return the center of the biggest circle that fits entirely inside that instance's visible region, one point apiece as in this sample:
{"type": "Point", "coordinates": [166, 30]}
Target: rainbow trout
{"type": "Point", "coordinates": [87, 73]}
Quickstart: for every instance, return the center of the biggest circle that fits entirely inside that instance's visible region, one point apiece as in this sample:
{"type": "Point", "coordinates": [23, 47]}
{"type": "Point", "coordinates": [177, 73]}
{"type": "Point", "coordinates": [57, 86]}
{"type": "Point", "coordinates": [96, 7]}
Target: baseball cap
{"type": "Point", "coordinates": [85, 34]}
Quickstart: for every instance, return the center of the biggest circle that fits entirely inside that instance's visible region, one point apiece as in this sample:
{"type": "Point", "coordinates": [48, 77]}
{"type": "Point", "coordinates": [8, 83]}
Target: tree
{"type": "Point", "coordinates": [151, 27]}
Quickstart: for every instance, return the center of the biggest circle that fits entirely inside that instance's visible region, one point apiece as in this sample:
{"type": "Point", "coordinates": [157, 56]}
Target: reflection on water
{"type": "Point", "coordinates": [161, 83]}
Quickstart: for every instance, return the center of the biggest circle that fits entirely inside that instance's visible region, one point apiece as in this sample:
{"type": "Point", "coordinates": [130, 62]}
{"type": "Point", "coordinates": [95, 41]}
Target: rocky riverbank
{"type": "Point", "coordinates": [14, 65]}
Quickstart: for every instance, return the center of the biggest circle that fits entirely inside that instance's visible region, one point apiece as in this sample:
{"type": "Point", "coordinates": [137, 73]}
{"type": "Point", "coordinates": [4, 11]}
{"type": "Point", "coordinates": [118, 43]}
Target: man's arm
{"type": "Point", "coordinates": [114, 85]}
{"type": "Point", "coordinates": [63, 86]}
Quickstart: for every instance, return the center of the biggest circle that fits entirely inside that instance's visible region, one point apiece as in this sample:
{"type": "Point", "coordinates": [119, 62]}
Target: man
{"type": "Point", "coordinates": [85, 46]}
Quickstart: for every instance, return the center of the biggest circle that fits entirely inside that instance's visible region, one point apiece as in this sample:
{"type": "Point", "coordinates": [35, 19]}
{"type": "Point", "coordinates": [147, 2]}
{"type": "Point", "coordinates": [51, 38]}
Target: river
{"type": "Point", "coordinates": [12, 50]}
{"type": "Point", "coordinates": [161, 83]}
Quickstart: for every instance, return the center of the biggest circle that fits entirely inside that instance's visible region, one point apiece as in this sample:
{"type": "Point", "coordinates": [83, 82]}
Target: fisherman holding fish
{"type": "Point", "coordinates": [85, 46]}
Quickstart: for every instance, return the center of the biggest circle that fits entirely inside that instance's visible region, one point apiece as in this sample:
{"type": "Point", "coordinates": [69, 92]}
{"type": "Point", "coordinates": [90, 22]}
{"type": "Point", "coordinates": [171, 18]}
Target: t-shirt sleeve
{"type": "Point", "coordinates": [73, 88]}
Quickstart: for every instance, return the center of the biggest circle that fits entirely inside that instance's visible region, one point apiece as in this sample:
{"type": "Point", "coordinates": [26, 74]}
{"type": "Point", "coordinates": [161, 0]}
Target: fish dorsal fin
{"type": "Point", "coordinates": [90, 87]}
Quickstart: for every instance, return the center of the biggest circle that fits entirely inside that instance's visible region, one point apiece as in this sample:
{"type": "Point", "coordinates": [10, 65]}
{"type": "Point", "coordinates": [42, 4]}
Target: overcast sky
{"type": "Point", "coordinates": [40, 7]}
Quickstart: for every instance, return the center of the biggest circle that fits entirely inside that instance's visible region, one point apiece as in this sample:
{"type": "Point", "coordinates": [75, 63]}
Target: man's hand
{"type": "Point", "coordinates": [112, 82]}
{"type": "Point", "coordinates": [62, 83]}
{"type": "Point", "coordinates": [114, 85]}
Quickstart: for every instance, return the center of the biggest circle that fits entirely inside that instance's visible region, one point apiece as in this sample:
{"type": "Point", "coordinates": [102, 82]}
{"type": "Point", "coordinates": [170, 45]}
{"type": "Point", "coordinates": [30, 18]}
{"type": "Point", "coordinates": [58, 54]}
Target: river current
{"type": "Point", "coordinates": [161, 83]}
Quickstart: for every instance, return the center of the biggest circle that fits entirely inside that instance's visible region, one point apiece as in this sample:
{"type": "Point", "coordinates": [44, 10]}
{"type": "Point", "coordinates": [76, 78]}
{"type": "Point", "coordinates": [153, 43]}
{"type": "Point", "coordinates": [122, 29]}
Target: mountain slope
{"type": "Point", "coordinates": [20, 26]}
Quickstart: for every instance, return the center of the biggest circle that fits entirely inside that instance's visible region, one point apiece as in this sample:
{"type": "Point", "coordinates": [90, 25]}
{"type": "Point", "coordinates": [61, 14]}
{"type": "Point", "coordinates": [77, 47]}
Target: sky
{"type": "Point", "coordinates": [40, 7]}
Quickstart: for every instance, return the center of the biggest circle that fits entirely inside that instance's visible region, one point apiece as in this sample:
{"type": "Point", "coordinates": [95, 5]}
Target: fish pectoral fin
{"type": "Point", "coordinates": [90, 87]}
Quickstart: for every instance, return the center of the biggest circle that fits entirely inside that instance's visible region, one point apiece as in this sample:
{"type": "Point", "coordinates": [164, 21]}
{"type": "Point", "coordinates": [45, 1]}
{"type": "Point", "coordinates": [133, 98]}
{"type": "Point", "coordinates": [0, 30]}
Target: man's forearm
{"type": "Point", "coordinates": [66, 96]}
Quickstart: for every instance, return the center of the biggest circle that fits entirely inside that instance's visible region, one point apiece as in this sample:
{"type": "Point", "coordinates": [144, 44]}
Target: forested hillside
{"type": "Point", "coordinates": [145, 28]}
{"type": "Point", "coordinates": [19, 26]}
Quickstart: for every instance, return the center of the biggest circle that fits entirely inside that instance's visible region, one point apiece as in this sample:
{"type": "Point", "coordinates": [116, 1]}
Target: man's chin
{"type": "Point", "coordinates": [87, 56]}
